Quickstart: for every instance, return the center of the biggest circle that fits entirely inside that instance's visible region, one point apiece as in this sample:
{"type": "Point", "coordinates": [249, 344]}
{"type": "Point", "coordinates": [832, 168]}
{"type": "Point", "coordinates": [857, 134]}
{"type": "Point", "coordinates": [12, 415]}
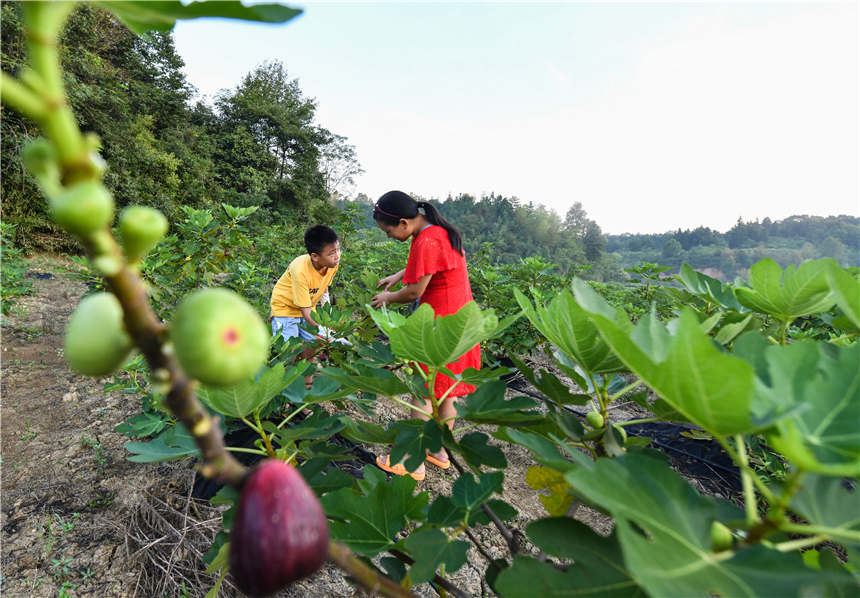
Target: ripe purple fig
{"type": "Point", "coordinates": [279, 533]}
{"type": "Point", "coordinates": [218, 337]}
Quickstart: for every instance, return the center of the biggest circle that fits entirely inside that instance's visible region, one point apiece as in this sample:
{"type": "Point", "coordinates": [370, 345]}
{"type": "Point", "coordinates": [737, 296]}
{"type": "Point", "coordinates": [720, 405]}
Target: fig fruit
{"type": "Point", "coordinates": [141, 228]}
{"type": "Point", "coordinates": [218, 337]}
{"type": "Point", "coordinates": [96, 340]}
{"type": "Point", "coordinates": [83, 208]}
{"type": "Point", "coordinates": [594, 419]}
{"type": "Point", "coordinates": [721, 537]}
{"type": "Point", "coordinates": [279, 532]}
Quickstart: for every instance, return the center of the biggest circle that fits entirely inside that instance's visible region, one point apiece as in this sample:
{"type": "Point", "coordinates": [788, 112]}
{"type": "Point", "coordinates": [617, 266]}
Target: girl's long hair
{"type": "Point", "coordinates": [394, 205]}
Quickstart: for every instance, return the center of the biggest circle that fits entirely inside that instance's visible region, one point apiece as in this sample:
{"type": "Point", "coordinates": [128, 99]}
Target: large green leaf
{"type": "Point", "coordinates": [378, 381]}
{"type": "Point", "coordinates": [567, 326]}
{"type": "Point", "coordinates": [846, 291]}
{"type": "Point", "coordinates": [246, 397]}
{"type": "Point", "coordinates": [415, 438]}
{"type": "Point", "coordinates": [796, 292]}
{"type": "Point", "coordinates": [597, 571]}
{"type": "Point", "coordinates": [368, 523]}
{"type": "Point", "coordinates": [142, 16]}
{"type": "Point", "coordinates": [469, 493]}
{"type": "Point", "coordinates": [710, 289]}
{"type": "Point", "coordinates": [489, 405]}
{"type": "Point", "coordinates": [433, 341]}
{"type": "Point", "coordinates": [673, 557]}
{"type": "Point", "coordinates": [819, 386]}
{"type": "Point", "coordinates": [431, 548]}
{"type": "Point", "coordinates": [709, 388]}
{"type": "Point", "coordinates": [174, 443]}
{"type": "Point", "coordinates": [826, 501]}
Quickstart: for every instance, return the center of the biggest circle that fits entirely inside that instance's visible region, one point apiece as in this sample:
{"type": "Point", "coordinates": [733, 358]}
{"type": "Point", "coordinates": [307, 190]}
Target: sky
{"type": "Point", "coordinates": [654, 116]}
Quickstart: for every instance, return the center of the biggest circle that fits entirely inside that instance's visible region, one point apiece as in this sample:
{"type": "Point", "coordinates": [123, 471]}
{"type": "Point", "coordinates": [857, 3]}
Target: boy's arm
{"type": "Point", "coordinates": [306, 314]}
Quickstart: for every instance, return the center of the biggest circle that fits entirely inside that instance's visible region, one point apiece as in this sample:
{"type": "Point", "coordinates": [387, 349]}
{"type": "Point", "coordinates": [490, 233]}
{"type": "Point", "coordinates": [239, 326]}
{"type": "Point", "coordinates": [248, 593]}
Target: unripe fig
{"type": "Point", "coordinates": [279, 533]}
{"type": "Point", "coordinates": [141, 228]}
{"type": "Point", "coordinates": [721, 537]}
{"type": "Point", "coordinates": [83, 208]}
{"type": "Point", "coordinates": [96, 341]}
{"type": "Point", "coordinates": [594, 419]}
{"type": "Point", "coordinates": [218, 337]}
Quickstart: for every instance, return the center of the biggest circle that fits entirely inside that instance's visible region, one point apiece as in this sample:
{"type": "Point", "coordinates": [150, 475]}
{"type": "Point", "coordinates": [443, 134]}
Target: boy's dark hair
{"type": "Point", "coordinates": [318, 236]}
{"type": "Point", "coordinates": [394, 205]}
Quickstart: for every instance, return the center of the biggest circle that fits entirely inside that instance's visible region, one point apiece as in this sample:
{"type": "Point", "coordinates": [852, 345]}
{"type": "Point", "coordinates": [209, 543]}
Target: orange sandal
{"type": "Point", "coordinates": [397, 468]}
{"type": "Point", "coordinates": [440, 464]}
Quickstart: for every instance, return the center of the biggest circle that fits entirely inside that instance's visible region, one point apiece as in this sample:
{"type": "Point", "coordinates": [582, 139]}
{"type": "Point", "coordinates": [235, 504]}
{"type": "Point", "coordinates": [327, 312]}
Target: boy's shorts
{"type": "Point", "coordinates": [290, 328]}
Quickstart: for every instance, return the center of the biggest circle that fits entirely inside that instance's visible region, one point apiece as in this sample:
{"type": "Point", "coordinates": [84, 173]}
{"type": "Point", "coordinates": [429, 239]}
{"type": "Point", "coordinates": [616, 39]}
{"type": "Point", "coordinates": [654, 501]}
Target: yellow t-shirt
{"type": "Point", "coordinates": [299, 286]}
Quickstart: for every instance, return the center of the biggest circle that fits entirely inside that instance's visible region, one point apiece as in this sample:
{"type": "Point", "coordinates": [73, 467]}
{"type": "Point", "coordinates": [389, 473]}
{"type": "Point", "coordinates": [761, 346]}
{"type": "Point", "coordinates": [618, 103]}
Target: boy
{"type": "Point", "coordinates": [303, 284]}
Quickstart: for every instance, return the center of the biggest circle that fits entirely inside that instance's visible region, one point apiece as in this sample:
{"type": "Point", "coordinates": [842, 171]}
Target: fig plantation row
{"type": "Point", "coordinates": [774, 361]}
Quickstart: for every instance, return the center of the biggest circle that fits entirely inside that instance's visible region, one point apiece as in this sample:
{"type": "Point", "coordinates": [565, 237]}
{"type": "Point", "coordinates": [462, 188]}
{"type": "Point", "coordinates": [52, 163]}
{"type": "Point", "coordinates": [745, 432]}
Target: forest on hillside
{"type": "Point", "coordinates": [728, 255]}
{"type": "Point", "coordinates": [259, 145]}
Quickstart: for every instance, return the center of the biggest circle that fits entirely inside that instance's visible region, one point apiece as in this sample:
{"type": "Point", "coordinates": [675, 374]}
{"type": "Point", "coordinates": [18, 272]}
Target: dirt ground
{"type": "Point", "coordinates": [78, 519]}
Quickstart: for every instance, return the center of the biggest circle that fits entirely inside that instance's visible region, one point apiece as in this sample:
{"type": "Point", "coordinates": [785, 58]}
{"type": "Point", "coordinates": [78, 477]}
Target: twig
{"type": "Point", "coordinates": [370, 579]}
{"type": "Point", "coordinates": [508, 534]}
{"type": "Point", "coordinates": [437, 579]}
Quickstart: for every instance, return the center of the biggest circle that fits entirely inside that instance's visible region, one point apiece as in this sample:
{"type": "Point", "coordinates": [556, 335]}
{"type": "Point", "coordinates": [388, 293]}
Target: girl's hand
{"type": "Point", "coordinates": [390, 281]}
{"type": "Point", "coordinates": [380, 300]}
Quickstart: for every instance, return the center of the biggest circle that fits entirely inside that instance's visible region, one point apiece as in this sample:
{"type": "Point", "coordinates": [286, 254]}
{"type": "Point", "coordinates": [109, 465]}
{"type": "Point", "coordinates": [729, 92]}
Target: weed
{"type": "Point", "coordinates": [61, 567]}
{"type": "Point", "coordinates": [29, 434]}
{"type": "Point", "coordinates": [96, 446]}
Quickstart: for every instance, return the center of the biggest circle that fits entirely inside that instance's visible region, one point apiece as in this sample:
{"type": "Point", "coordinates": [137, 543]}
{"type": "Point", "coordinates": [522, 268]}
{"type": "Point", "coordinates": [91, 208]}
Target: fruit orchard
{"type": "Point", "coordinates": [772, 362]}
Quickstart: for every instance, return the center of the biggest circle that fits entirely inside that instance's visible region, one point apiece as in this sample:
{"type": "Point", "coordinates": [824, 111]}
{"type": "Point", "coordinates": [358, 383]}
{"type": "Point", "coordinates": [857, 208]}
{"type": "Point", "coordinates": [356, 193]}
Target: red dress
{"type": "Point", "coordinates": [447, 291]}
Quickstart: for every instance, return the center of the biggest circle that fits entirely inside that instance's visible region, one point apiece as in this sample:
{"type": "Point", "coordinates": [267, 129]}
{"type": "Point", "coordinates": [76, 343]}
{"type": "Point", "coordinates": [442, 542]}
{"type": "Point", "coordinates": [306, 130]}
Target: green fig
{"type": "Point", "coordinates": [594, 419]}
{"type": "Point", "coordinates": [83, 208]}
{"type": "Point", "coordinates": [721, 537]}
{"type": "Point", "coordinates": [96, 340]}
{"type": "Point", "coordinates": [218, 337]}
{"type": "Point", "coordinates": [141, 228]}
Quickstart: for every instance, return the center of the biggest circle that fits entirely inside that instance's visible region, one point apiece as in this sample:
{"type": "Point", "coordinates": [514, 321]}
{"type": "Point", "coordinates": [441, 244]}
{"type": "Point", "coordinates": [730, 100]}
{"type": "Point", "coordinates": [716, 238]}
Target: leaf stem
{"type": "Point", "coordinates": [750, 503]}
{"type": "Point", "coordinates": [625, 390]}
{"type": "Point", "coordinates": [644, 420]}
{"type": "Point", "coordinates": [830, 532]}
{"type": "Point", "coordinates": [793, 545]}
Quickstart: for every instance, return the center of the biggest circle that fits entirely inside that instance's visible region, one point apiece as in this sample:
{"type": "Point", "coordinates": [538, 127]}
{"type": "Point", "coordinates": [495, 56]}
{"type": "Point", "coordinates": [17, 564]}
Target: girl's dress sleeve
{"type": "Point", "coordinates": [431, 252]}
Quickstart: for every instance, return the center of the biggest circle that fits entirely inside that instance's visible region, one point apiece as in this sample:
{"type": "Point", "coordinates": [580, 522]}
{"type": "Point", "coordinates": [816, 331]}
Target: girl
{"type": "Point", "coordinates": [435, 274]}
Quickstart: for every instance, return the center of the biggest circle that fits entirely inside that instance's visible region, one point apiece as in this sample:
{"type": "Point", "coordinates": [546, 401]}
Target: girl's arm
{"type": "Point", "coordinates": [390, 281]}
{"type": "Point", "coordinates": [407, 294]}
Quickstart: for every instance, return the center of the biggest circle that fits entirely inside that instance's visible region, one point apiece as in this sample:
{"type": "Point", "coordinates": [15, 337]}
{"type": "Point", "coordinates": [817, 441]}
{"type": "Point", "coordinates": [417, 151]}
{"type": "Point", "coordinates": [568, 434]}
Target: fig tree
{"type": "Point", "coordinates": [83, 208]}
{"type": "Point", "coordinates": [141, 228]}
{"type": "Point", "coordinates": [279, 532]}
{"type": "Point", "coordinates": [594, 419]}
{"type": "Point", "coordinates": [218, 337]}
{"type": "Point", "coordinates": [621, 432]}
{"type": "Point", "coordinates": [96, 340]}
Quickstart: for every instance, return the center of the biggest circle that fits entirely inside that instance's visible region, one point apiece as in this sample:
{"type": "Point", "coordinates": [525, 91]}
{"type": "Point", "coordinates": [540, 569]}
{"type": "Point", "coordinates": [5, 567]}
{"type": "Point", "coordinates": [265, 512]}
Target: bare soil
{"type": "Point", "coordinates": [78, 519]}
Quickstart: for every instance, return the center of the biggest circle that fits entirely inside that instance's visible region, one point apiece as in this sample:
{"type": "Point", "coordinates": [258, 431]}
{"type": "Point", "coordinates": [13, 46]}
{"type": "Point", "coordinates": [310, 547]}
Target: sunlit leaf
{"type": "Point", "coordinates": [673, 557]}
{"type": "Point", "coordinates": [799, 291]}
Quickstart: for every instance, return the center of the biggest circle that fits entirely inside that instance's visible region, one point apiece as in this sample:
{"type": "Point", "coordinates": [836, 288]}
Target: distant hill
{"type": "Point", "coordinates": [730, 254]}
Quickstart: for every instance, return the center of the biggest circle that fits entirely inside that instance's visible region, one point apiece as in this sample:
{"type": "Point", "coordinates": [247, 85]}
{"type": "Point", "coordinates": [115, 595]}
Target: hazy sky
{"type": "Point", "coordinates": [653, 116]}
